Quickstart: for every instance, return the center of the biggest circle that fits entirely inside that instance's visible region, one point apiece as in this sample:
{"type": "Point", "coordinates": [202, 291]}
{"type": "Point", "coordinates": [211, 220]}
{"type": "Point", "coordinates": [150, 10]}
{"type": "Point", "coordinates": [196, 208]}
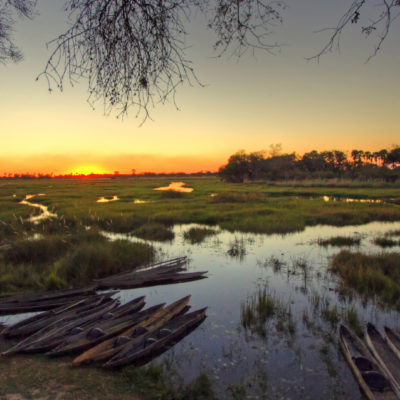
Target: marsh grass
{"type": "Point", "coordinates": [154, 231]}
{"type": "Point", "coordinates": [197, 235]}
{"type": "Point", "coordinates": [60, 261]}
{"type": "Point", "coordinates": [238, 197]}
{"type": "Point", "coordinates": [275, 263]}
{"type": "Point", "coordinates": [386, 242]}
{"type": "Point", "coordinates": [261, 307]}
{"type": "Point", "coordinates": [90, 261]}
{"type": "Point", "coordinates": [256, 207]}
{"type": "Point", "coordinates": [353, 321]}
{"type": "Point", "coordinates": [370, 275]}
{"type": "Point", "coordinates": [340, 241]}
{"type": "Point", "coordinates": [237, 249]}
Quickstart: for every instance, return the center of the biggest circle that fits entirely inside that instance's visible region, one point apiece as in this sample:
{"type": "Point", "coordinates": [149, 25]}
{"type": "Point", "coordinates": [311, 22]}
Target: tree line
{"type": "Point", "coordinates": [359, 164]}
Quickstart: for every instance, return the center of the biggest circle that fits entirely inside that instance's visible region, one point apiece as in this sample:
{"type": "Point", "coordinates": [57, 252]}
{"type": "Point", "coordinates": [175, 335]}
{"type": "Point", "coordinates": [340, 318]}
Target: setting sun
{"type": "Point", "coordinates": [87, 170]}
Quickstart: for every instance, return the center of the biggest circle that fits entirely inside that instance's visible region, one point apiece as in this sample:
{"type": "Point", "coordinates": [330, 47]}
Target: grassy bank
{"type": "Point", "coordinates": [38, 377]}
{"type": "Point", "coordinates": [66, 260]}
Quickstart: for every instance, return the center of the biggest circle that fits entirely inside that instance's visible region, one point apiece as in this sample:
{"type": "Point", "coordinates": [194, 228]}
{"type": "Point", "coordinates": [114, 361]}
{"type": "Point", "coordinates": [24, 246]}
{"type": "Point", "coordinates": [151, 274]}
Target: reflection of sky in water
{"type": "Point", "coordinates": [176, 187]}
{"type": "Point", "coordinates": [45, 213]}
{"type": "Point", "coordinates": [305, 365]}
{"type": "Point", "coordinates": [105, 200]}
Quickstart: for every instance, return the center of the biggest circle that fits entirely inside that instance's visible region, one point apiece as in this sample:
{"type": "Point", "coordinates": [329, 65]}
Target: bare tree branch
{"type": "Point", "coordinates": [133, 52]}
{"type": "Point", "coordinates": [377, 24]}
{"type": "Point", "coordinates": [8, 9]}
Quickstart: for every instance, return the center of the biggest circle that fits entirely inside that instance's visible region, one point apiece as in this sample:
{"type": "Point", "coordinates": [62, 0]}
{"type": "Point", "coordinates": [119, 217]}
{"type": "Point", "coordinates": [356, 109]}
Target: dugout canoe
{"type": "Point", "coordinates": [90, 337]}
{"type": "Point", "coordinates": [152, 280]}
{"type": "Point", "coordinates": [393, 340]}
{"type": "Point", "coordinates": [384, 355]}
{"type": "Point", "coordinates": [49, 336]}
{"type": "Point", "coordinates": [30, 325]}
{"type": "Point", "coordinates": [42, 302]}
{"type": "Point", "coordinates": [364, 367]}
{"type": "Point", "coordinates": [134, 335]}
{"type": "Point", "coordinates": [157, 340]}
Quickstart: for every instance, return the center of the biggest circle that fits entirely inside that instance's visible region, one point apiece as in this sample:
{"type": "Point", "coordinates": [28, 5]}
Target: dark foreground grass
{"type": "Point", "coordinates": [38, 377]}
{"type": "Point", "coordinates": [370, 275]}
{"type": "Point", "coordinates": [340, 241]}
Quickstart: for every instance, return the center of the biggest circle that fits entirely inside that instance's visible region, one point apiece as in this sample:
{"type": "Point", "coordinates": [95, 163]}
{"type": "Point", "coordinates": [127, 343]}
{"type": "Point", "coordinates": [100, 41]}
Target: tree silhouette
{"type": "Point", "coordinates": [132, 52]}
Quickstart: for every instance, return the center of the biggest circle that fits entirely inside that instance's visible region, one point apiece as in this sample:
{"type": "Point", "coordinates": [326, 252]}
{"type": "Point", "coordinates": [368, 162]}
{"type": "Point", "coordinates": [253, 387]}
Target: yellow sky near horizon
{"type": "Point", "coordinates": [339, 103]}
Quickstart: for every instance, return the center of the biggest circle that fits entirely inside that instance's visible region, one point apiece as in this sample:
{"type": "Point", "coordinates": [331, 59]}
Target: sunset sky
{"type": "Point", "coordinates": [339, 103]}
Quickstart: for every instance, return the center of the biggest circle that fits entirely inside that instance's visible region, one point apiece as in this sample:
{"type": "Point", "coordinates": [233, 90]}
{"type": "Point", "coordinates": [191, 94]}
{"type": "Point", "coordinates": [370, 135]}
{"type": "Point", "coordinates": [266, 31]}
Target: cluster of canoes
{"type": "Point", "coordinates": [98, 329]}
{"type": "Point", "coordinates": [375, 363]}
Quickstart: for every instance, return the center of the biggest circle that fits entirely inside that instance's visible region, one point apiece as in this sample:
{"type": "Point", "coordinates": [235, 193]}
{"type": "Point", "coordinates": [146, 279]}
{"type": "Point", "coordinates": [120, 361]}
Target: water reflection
{"type": "Point", "coordinates": [107, 200]}
{"type": "Point", "coordinates": [45, 213]}
{"type": "Point", "coordinates": [138, 201]}
{"type": "Point", "coordinates": [350, 200]}
{"type": "Point", "coordinates": [176, 187]}
{"type": "Point", "coordinates": [297, 357]}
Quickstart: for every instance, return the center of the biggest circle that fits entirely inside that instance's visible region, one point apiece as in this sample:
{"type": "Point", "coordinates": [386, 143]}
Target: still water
{"type": "Point", "coordinates": [303, 362]}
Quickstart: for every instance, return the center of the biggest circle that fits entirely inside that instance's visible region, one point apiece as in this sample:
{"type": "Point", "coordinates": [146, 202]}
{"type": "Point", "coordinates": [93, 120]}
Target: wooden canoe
{"type": "Point", "coordinates": [32, 324]}
{"type": "Point", "coordinates": [42, 302]}
{"type": "Point", "coordinates": [86, 340]}
{"type": "Point", "coordinates": [384, 355]}
{"type": "Point", "coordinates": [152, 280]}
{"type": "Point", "coordinates": [393, 340]}
{"type": "Point", "coordinates": [136, 333]}
{"type": "Point", "coordinates": [46, 338]}
{"type": "Point", "coordinates": [354, 349]}
{"type": "Point", "coordinates": [157, 339]}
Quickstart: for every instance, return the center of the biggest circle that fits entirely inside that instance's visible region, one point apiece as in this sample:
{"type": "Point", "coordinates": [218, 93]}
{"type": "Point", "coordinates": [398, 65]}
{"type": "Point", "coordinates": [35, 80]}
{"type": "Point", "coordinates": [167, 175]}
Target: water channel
{"type": "Point", "coordinates": [302, 361]}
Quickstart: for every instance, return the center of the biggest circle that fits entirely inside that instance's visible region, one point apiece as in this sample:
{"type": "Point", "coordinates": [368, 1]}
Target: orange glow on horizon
{"type": "Point", "coordinates": [87, 170]}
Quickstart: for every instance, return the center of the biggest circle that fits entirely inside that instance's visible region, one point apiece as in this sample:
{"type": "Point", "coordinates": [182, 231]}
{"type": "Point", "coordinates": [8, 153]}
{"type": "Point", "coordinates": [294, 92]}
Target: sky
{"type": "Point", "coordinates": [341, 102]}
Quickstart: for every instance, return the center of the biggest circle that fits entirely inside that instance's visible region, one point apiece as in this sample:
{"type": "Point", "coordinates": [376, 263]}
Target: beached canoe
{"type": "Point", "coordinates": [157, 340]}
{"type": "Point", "coordinates": [30, 325]}
{"type": "Point", "coordinates": [134, 335]}
{"type": "Point", "coordinates": [384, 355]}
{"type": "Point", "coordinates": [393, 340]}
{"type": "Point", "coordinates": [83, 339]}
{"type": "Point", "coordinates": [49, 336]}
{"type": "Point", "coordinates": [42, 301]}
{"type": "Point", "coordinates": [370, 377]}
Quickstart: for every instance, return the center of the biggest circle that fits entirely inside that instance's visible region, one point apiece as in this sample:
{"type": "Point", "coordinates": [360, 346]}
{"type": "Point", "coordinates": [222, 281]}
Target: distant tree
{"type": "Point", "coordinates": [237, 168]}
{"type": "Point", "coordinates": [394, 157]}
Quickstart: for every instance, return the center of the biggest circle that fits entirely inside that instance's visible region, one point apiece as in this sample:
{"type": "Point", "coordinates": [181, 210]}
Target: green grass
{"type": "Point", "coordinates": [261, 307]}
{"type": "Point", "coordinates": [154, 231]}
{"type": "Point", "coordinates": [340, 241]}
{"type": "Point", "coordinates": [66, 260]}
{"type": "Point", "coordinates": [198, 235]}
{"type": "Point", "coordinates": [257, 207]}
{"type": "Point", "coordinates": [370, 275]}
{"type": "Point", "coordinates": [352, 320]}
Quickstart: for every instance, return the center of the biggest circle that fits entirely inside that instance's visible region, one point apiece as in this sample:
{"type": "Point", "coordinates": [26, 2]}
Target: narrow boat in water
{"type": "Point", "coordinates": [393, 340]}
{"type": "Point", "coordinates": [384, 355]}
{"type": "Point", "coordinates": [134, 335]}
{"type": "Point", "coordinates": [153, 342]}
{"type": "Point", "coordinates": [369, 375]}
